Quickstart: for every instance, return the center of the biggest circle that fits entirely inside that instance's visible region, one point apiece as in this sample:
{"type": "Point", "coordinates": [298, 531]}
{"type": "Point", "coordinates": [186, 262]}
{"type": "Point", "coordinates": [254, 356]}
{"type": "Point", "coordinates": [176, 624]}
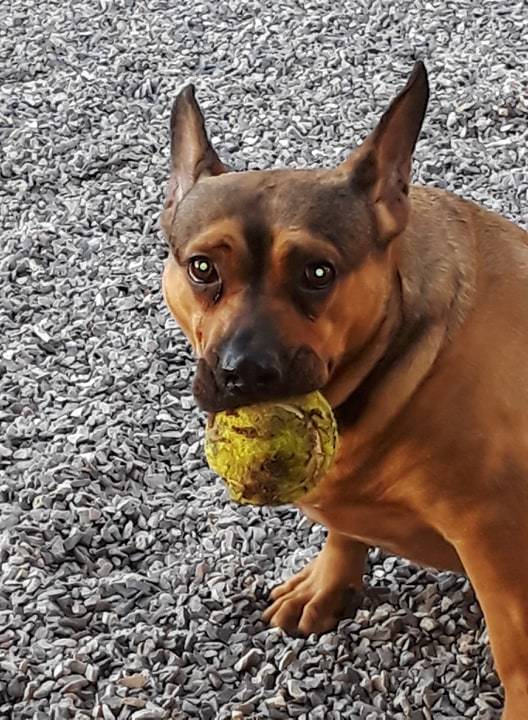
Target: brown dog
{"type": "Point", "coordinates": [408, 307]}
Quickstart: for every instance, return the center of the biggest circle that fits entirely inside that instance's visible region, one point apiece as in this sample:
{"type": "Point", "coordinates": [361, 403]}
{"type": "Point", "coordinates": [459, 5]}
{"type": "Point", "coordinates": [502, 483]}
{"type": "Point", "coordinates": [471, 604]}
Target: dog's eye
{"type": "Point", "coordinates": [202, 270]}
{"type": "Point", "coordinates": [318, 275]}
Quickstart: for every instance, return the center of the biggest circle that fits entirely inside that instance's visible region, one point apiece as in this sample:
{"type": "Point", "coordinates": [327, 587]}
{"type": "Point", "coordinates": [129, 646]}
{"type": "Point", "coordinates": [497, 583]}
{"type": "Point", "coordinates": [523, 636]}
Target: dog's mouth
{"type": "Point", "coordinates": [306, 373]}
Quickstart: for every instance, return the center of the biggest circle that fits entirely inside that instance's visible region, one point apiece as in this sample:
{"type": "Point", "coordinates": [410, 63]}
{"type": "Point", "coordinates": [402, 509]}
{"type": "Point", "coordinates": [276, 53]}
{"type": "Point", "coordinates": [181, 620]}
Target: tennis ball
{"type": "Point", "coordinates": [272, 453]}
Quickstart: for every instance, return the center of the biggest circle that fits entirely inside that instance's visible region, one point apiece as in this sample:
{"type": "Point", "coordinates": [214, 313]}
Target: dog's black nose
{"type": "Point", "coordinates": [246, 374]}
{"type": "Point", "coordinates": [248, 368]}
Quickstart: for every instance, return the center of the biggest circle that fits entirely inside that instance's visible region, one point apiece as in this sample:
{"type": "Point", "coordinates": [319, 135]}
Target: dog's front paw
{"type": "Point", "coordinates": [309, 602]}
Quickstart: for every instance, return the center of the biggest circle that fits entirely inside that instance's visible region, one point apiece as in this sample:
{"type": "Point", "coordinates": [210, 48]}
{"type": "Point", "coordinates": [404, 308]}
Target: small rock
{"type": "Point", "coordinates": [139, 680]}
{"type": "Point", "coordinates": [74, 683]}
{"type": "Point", "coordinates": [295, 690]}
{"type": "Point", "coordinates": [43, 690]}
{"type": "Point", "coordinates": [134, 702]}
{"type": "Point", "coordinates": [249, 660]}
{"type": "Point", "coordinates": [287, 659]}
{"type": "Point", "coordinates": [149, 713]}
{"type": "Point", "coordinates": [428, 624]}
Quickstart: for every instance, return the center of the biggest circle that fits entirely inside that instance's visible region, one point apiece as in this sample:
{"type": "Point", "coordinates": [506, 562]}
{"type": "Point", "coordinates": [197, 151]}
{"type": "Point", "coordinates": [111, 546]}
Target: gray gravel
{"type": "Point", "coordinates": [129, 587]}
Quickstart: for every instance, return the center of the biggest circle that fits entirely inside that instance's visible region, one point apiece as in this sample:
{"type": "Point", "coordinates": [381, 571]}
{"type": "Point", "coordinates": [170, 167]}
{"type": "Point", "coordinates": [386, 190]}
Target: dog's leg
{"type": "Point", "coordinates": [495, 556]}
{"type": "Point", "coordinates": [314, 600]}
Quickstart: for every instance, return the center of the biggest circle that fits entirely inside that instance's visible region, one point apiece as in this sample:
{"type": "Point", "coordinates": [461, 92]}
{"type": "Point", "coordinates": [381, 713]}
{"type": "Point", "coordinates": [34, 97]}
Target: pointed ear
{"type": "Point", "coordinates": [381, 166]}
{"type": "Point", "coordinates": [192, 155]}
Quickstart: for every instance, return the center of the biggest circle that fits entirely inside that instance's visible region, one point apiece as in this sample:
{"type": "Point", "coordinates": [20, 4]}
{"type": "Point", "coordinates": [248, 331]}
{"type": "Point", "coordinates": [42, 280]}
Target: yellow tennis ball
{"type": "Point", "coordinates": [272, 453]}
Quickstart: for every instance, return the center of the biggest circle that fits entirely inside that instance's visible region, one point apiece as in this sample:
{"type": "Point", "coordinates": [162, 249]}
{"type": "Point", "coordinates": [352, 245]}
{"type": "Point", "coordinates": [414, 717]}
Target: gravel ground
{"type": "Point", "coordinates": [129, 587]}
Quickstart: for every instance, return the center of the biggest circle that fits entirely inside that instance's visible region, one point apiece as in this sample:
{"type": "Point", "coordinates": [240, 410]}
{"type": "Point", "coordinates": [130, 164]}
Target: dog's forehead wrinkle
{"type": "Point", "coordinates": [320, 203]}
{"type": "Point", "coordinates": [239, 187]}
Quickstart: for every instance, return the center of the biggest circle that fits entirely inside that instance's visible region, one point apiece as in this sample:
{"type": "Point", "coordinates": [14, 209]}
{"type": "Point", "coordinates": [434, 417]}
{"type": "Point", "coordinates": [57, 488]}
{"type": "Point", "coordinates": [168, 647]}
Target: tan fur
{"type": "Point", "coordinates": [423, 345]}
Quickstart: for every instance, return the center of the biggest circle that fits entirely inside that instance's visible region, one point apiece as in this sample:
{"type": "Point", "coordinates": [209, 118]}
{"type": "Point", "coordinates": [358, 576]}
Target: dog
{"type": "Point", "coordinates": [407, 307]}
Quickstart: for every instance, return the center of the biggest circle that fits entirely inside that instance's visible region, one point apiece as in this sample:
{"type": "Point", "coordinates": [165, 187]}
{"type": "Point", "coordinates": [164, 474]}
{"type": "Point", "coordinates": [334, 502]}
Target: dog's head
{"type": "Point", "coordinates": [277, 276]}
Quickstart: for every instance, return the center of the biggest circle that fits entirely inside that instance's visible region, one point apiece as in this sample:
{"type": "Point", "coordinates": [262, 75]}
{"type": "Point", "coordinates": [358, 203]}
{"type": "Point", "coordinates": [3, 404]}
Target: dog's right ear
{"type": "Point", "coordinates": [192, 155]}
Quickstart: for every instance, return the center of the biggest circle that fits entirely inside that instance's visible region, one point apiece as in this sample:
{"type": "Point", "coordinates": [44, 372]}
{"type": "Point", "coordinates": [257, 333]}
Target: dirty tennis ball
{"type": "Point", "coordinates": [272, 453]}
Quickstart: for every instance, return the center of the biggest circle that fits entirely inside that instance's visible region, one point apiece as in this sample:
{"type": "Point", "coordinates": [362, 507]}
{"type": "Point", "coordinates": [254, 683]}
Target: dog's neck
{"type": "Point", "coordinates": [395, 342]}
{"type": "Point", "coordinates": [370, 388]}
{"type": "Point", "coordinates": [355, 367]}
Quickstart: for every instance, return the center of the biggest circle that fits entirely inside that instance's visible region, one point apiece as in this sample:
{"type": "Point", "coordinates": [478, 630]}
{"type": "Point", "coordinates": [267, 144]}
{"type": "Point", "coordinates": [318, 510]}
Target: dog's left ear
{"type": "Point", "coordinates": [381, 166]}
{"type": "Point", "coordinates": [192, 155]}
